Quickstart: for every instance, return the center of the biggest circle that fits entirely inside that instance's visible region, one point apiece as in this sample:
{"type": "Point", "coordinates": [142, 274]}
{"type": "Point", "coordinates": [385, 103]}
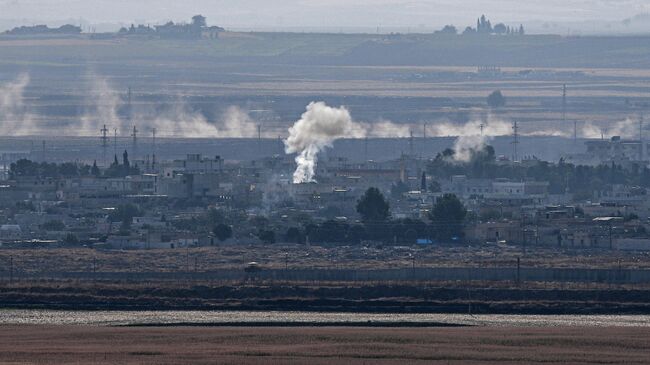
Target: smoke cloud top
{"type": "Point", "coordinates": [319, 126]}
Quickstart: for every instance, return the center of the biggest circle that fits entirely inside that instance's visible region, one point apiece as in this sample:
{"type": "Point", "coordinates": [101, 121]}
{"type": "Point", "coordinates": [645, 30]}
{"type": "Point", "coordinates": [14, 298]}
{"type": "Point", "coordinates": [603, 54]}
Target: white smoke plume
{"type": "Point", "coordinates": [387, 129]}
{"type": "Point", "coordinates": [474, 135]}
{"type": "Point", "coordinates": [628, 128]}
{"type": "Point", "coordinates": [177, 121]}
{"type": "Point", "coordinates": [102, 105]}
{"type": "Point", "coordinates": [318, 128]}
{"type": "Point", "coordinates": [471, 136]}
{"type": "Point", "coordinates": [182, 122]}
{"type": "Point", "coordinates": [15, 119]}
{"type": "Point", "coordinates": [466, 146]}
{"type": "Point", "coordinates": [490, 128]}
{"type": "Point", "coordinates": [236, 123]}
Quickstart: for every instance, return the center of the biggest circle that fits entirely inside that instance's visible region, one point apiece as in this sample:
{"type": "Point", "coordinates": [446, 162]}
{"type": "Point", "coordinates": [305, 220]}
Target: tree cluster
{"type": "Point", "coordinates": [447, 222]}
{"type": "Point", "coordinates": [581, 180]}
{"type": "Point", "coordinates": [484, 26]}
{"type": "Point", "coordinates": [28, 168]}
{"type": "Point", "coordinates": [496, 99]}
{"type": "Point", "coordinates": [172, 30]}
{"type": "Point", "coordinates": [120, 170]}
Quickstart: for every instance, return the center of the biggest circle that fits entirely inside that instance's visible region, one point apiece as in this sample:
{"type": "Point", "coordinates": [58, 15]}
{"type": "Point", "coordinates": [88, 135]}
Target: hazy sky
{"type": "Point", "coordinates": [323, 13]}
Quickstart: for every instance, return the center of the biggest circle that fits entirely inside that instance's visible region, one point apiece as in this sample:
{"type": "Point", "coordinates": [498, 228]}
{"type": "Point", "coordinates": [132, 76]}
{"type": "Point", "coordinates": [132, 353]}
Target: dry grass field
{"type": "Point", "coordinates": [301, 256]}
{"type": "Point", "coordinates": [293, 345]}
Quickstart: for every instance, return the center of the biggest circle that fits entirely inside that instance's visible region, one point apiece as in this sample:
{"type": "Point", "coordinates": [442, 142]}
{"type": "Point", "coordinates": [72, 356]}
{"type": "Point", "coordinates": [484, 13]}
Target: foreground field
{"type": "Point", "coordinates": [291, 256]}
{"type": "Point", "coordinates": [469, 345]}
{"type": "Point", "coordinates": [413, 297]}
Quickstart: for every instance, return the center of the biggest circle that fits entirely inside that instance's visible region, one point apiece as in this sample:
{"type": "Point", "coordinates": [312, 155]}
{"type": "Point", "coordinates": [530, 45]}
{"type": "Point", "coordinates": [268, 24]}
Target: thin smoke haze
{"type": "Point", "coordinates": [15, 118]}
{"type": "Point", "coordinates": [103, 105]}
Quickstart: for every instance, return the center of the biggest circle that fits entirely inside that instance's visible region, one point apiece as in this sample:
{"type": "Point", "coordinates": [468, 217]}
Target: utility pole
{"type": "Point", "coordinates": [104, 139]}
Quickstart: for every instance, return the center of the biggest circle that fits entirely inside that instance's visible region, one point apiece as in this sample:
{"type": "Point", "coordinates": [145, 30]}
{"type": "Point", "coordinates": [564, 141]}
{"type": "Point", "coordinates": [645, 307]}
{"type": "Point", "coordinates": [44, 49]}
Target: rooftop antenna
{"type": "Point", "coordinates": [481, 126]}
{"type": "Point", "coordinates": [104, 139]}
{"type": "Point", "coordinates": [115, 141]}
{"type": "Point", "coordinates": [515, 141]}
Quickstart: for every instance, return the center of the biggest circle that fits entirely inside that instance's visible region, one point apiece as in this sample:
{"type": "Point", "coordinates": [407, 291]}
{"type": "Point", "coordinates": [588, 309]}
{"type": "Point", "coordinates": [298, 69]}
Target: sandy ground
{"type": "Point", "coordinates": [228, 345]}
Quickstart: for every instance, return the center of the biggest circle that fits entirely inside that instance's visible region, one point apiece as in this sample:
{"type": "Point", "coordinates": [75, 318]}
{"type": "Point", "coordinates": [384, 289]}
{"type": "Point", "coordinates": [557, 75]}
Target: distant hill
{"type": "Point", "coordinates": [44, 29]}
{"type": "Point", "coordinates": [348, 49]}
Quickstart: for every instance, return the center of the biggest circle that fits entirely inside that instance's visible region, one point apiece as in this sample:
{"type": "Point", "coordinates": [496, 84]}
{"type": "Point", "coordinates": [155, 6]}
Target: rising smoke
{"type": "Point", "coordinates": [102, 107]}
{"type": "Point", "coordinates": [318, 128]}
{"type": "Point", "coordinates": [15, 119]}
{"type": "Point", "coordinates": [102, 104]}
{"type": "Point", "coordinates": [178, 120]}
{"type": "Point", "coordinates": [387, 129]}
{"type": "Point", "coordinates": [471, 136]}
{"type": "Point", "coordinates": [625, 128]}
